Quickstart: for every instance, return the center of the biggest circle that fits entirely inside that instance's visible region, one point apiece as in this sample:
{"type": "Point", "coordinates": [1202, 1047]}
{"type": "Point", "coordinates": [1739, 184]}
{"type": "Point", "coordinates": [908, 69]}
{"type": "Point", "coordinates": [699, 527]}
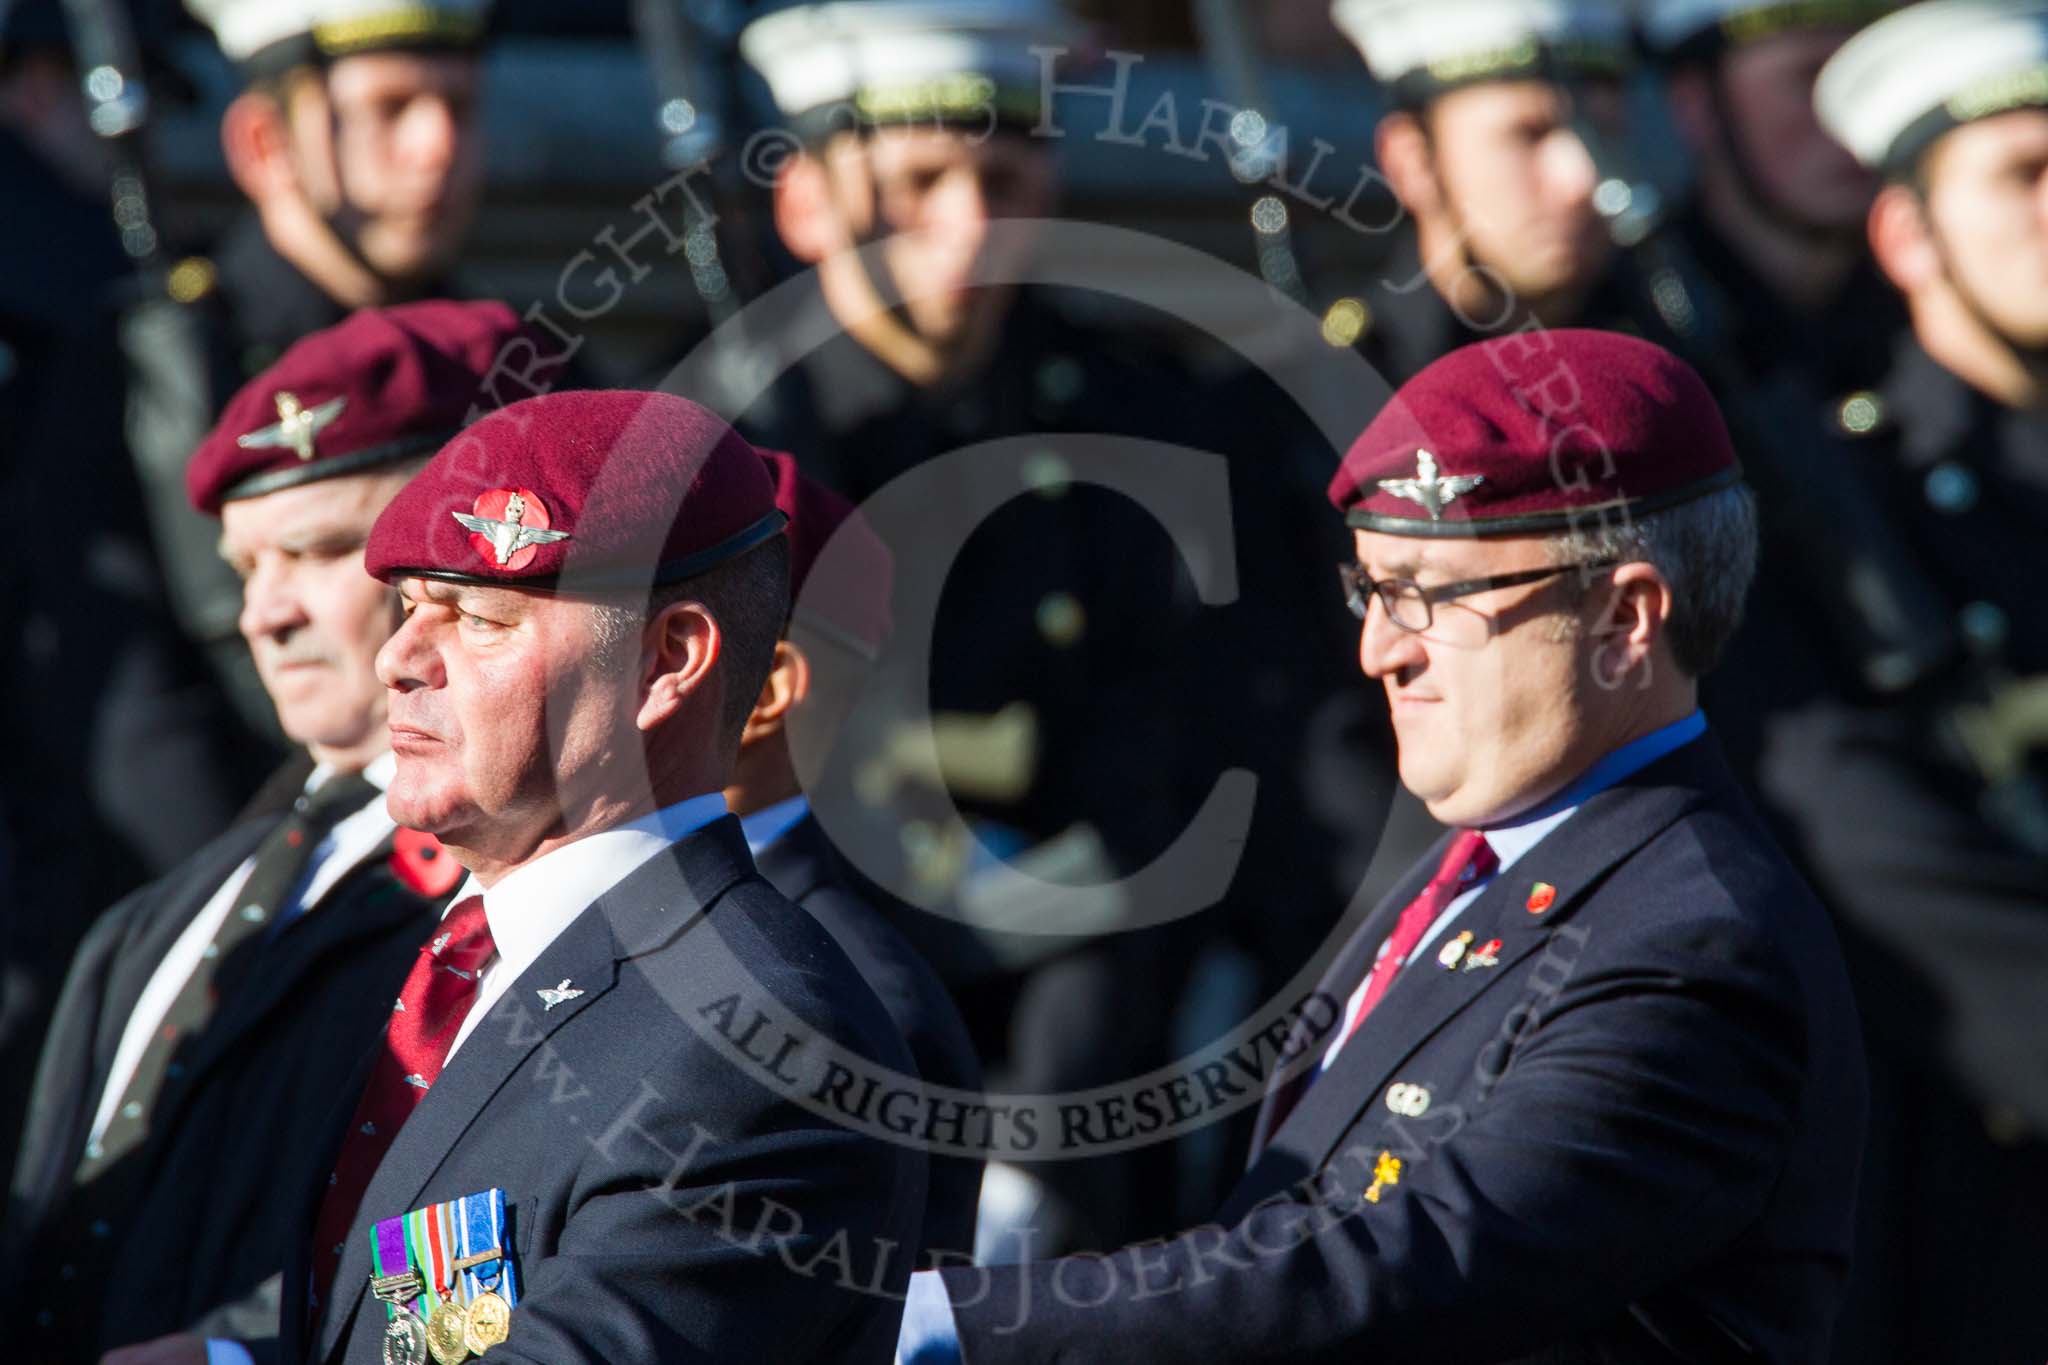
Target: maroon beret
{"type": "Point", "coordinates": [1533, 433]}
{"type": "Point", "coordinates": [580, 491]}
{"type": "Point", "coordinates": [382, 385]}
{"type": "Point", "coordinates": [852, 603]}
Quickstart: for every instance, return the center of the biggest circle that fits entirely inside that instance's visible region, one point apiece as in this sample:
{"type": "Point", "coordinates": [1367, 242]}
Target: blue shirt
{"type": "Point", "coordinates": [929, 1336]}
{"type": "Point", "coordinates": [770, 823]}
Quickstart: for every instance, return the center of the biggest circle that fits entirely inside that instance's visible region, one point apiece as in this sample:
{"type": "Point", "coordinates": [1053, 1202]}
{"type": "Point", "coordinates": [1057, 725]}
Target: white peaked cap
{"type": "Point", "coordinates": [818, 55]}
{"type": "Point", "coordinates": [1461, 39]}
{"type": "Point", "coordinates": [1671, 24]}
{"type": "Point", "coordinates": [246, 28]}
{"type": "Point", "coordinates": [1909, 77]}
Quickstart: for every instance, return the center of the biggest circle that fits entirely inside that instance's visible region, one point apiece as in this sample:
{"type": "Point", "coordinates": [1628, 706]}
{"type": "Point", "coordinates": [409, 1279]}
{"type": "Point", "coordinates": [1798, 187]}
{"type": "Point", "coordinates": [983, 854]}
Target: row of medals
{"type": "Point", "coordinates": [450, 1335]}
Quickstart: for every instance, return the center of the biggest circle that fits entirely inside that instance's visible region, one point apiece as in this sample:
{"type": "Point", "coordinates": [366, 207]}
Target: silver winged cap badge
{"type": "Point", "coordinates": [1430, 487]}
{"type": "Point", "coordinates": [508, 536]}
{"type": "Point", "coordinates": [296, 427]}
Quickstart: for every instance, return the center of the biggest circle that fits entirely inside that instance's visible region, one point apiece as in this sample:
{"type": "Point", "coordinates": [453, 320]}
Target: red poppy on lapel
{"type": "Point", "coordinates": [418, 860]}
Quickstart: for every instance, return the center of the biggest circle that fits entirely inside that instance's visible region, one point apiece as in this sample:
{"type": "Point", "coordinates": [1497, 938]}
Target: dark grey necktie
{"type": "Point", "coordinates": [281, 861]}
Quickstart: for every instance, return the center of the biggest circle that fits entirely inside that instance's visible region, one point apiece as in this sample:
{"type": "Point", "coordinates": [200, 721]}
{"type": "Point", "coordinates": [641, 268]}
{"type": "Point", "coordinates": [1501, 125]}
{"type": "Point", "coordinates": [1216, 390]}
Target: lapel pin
{"type": "Point", "coordinates": [1454, 950]}
{"type": "Point", "coordinates": [1409, 1101]}
{"type": "Point", "coordinates": [1541, 896]}
{"type": "Point", "coordinates": [1486, 955]}
{"type": "Point", "coordinates": [1386, 1171]}
{"type": "Point", "coordinates": [559, 995]}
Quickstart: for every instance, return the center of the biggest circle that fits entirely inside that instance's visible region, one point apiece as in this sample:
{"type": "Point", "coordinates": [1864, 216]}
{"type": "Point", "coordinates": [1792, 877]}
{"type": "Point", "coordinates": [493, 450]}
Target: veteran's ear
{"type": "Point", "coordinates": [680, 649]}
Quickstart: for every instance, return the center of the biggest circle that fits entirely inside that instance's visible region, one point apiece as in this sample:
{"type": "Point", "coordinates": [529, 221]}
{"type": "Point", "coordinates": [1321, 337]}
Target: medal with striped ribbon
{"type": "Point", "coordinates": [430, 1233]}
{"type": "Point", "coordinates": [485, 1268]}
{"type": "Point", "coordinates": [394, 1281]}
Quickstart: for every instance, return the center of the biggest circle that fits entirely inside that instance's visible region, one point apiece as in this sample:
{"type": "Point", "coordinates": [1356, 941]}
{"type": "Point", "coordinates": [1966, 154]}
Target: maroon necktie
{"type": "Point", "coordinates": [424, 1022]}
{"type": "Point", "coordinates": [1468, 859]}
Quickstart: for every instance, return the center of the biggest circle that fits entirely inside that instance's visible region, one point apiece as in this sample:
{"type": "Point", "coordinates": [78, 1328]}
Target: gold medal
{"type": "Point", "coordinates": [405, 1338]}
{"type": "Point", "coordinates": [490, 1322]}
{"type": "Point", "coordinates": [445, 1332]}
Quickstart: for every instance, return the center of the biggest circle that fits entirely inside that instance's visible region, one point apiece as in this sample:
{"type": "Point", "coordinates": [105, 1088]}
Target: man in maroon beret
{"type": "Point", "coordinates": [839, 623]}
{"type": "Point", "coordinates": [209, 1018]}
{"type": "Point", "coordinates": [620, 1028]}
{"type": "Point", "coordinates": [1593, 1088]}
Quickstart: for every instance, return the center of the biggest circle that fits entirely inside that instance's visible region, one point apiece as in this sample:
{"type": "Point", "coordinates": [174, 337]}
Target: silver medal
{"type": "Point", "coordinates": [405, 1339]}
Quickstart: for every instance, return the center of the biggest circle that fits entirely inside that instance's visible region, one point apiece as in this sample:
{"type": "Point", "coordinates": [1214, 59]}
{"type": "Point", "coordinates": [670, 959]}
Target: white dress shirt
{"type": "Point", "coordinates": [349, 843]}
{"type": "Point", "coordinates": [530, 907]}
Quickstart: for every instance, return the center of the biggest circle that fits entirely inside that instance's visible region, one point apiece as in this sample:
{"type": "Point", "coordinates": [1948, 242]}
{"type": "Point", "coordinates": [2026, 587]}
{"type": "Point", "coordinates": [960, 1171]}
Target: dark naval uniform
{"type": "Point", "coordinates": [261, 302]}
{"type": "Point", "coordinates": [1943, 900]}
{"type": "Point", "coordinates": [1053, 667]}
{"type": "Point", "coordinates": [1844, 346]}
{"type": "Point", "coordinates": [1780, 376]}
{"type": "Point", "coordinates": [1408, 323]}
{"type": "Point", "coordinates": [123, 758]}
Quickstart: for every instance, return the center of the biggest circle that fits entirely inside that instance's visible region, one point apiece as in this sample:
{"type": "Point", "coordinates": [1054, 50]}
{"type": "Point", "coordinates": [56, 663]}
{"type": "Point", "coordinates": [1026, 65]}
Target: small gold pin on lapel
{"type": "Point", "coordinates": [1454, 950]}
{"type": "Point", "coordinates": [1386, 1171]}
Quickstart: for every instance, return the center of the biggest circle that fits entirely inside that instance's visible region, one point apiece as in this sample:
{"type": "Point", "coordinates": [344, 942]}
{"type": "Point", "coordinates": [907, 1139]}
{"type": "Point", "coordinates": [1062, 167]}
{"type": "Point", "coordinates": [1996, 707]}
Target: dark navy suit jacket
{"type": "Point", "coordinates": [1634, 1139]}
{"type": "Point", "coordinates": [668, 1198]}
{"type": "Point", "coordinates": [802, 866]}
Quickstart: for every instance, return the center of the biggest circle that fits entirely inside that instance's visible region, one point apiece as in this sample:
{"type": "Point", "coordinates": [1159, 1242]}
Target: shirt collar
{"type": "Point", "coordinates": [378, 774]}
{"type": "Point", "coordinates": [1510, 842]}
{"type": "Point", "coordinates": [1511, 839]}
{"type": "Point", "coordinates": [532, 905]}
{"type": "Point", "coordinates": [770, 823]}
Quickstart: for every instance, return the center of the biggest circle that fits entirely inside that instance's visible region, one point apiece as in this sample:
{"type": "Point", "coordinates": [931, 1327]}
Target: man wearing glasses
{"type": "Point", "coordinates": [1591, 1085]}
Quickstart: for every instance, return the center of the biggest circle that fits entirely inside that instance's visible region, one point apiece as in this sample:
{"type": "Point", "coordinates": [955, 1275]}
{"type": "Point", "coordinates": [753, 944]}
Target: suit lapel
{"type": "Point", "coordinates": [186, 892]}
{"type": "Point", "coordinates": [652, 906]}
{"type": "Point", "coordinates": [1425, 997]}
{"type": "Point", "coordinates": [350, 912]}
{"type": "Point", "coordinates": [145, 946]}
{"type": "Point", "coordinates": [1342, 977]}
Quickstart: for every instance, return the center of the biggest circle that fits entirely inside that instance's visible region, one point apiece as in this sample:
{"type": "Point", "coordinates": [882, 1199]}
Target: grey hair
{"type": "Point", "coordinates": [1705, 549]}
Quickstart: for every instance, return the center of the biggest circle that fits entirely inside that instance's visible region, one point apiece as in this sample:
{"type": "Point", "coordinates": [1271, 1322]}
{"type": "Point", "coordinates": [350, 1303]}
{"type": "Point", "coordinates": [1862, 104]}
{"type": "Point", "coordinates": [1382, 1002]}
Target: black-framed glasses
{"type": "Point", "coordinates": [1412, 607]}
